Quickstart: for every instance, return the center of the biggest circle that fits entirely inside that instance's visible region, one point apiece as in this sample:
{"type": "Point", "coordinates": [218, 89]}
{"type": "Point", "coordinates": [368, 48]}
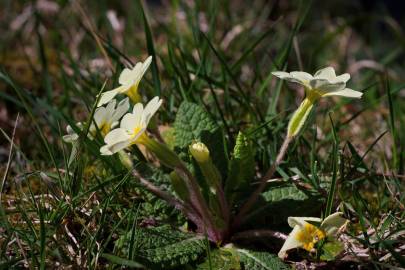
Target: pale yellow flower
{"type": "Point", "coordinates": [132, 128]}
{"type": "Point", "coordinates": [104, 119]}
{"type": "Point", "coordinates": [108, 117]}
{"type": "Point", "coordinates": [129, 81]}
{"type": "Point", "coordinates": [305, 235]}
{"type": "Point", "coordinates": [324, 83]}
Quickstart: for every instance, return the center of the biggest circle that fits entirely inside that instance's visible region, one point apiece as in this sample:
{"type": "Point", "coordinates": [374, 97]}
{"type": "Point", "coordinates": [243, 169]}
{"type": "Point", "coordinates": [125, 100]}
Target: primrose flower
{"type": "Point", "coordinates": [305, 235]}
{"type": "Point", "coordinates": [129, 80]}
{"type": "Point", "coordinates": [107, 117]}
{"type": "Point", "coordinates": [323, 83]}
{"type": "Point", "coordinates": [132, 128]}
{"type": "Point", "coordinates": [104, 117]}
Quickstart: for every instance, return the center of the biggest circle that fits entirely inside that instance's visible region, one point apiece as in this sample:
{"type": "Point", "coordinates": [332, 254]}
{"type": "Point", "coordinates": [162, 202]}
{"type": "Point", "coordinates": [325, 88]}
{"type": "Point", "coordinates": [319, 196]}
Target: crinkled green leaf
{"type": "Point", "coordinates": [194, 123]}
{"type": "Point", "coordinates": [259, 260]}
{"type": "Point", "coordinates": [280, 202]}
{"type": "Point", "coordinates": [191, 121]}
{"type": "Point", "coordinates": [222, 259]}
{"type": "Point", "coordinates": [164, 247]}
{"type": "Point", "coordinates": [241, 169]}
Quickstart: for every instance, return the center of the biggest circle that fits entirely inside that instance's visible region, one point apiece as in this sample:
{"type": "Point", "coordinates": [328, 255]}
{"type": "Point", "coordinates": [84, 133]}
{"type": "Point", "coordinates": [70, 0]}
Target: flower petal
{"type": "Point", "coordinates": [346, 92]}
{"type": "Point", "coordinates": [138, 108]}
{"type": "Point", "coordinates": [100, 116]}
{"type": "Point", "coordinates": [290, 243]}
{"type": "Point", "coordinates": [133, 77]}
{"type": "Point", "coordinates": [70, 138]}
{"type": "Point", "coordinates": [294, 221]}
{"type": "Point", "coordinates": [125, 76]}
{"type": "Point", "coordinates": [122, 108]}
{"type": "Point", "coordinates": [130, 122]}
{"type": "Point", "coordinates": [343, 78]}
{"type": "Point", "coordinates": [114, 148]}
{"type": "Point", "coordinates": [71, 135]}
{"type": "Point", "coordinates": [110, 108]}
{"type": "Point", "coordinates": [327, 73]}
{"type": "Point", "coordinates": [332, 223]}
{"type": "Point", "coordinates": [146, 64]}
{"type": "Point", "coordinates": [135, 74]}
{"type": "Point", "coordinates": [105, 150]}
{"type": "Point", "coordinates": [294, 76]}
{"type": "Point", "coordinates": [281, 74]}
{"type": "Point", "coordinates": [301, 76]}
{"type": "Point", "coordinates": [150, 109]}
{"type": "Point", "coordinates": [324, 85]}
{"type": "Point", "coordinates": [286, 76]}
{"type": "Point", "coordinates": [116, 136]}
{"type": "Point", "coordinates": [107, 96]}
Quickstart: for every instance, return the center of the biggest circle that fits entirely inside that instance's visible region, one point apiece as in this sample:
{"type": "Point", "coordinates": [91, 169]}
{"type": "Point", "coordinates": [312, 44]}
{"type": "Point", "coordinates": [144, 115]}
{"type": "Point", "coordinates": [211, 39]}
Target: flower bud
{"type": "Point", "coordinates": [200, 152]}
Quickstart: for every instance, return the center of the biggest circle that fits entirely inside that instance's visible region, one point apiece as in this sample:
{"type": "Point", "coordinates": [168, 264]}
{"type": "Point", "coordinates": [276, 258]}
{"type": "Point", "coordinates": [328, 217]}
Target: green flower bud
{"type": "Point", "coordinates": [199, 152]}
{"type": "Point", "coordinates": [211, 174]}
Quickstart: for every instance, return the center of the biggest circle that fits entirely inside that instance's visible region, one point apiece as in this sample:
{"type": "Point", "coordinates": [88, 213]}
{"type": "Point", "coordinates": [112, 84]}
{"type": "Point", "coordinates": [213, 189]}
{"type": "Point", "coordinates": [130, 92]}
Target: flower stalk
{"type": "Point", "coordinates": [199, 203]}
{"type": "Point", "coordinates": [201, 154]}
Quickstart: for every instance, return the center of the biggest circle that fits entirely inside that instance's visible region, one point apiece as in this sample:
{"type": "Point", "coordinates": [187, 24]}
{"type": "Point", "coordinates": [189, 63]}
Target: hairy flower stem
{"type": "Point", "coordinates": [240, 217]}
{"type": "Point", "coordinates": [199, 204]}
{"type": "Point", "coordinates": [168, 198]}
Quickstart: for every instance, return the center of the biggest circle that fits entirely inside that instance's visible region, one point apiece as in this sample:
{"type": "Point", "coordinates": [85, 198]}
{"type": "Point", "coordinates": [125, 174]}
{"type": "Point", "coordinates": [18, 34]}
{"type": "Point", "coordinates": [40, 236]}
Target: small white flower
{"type": "Point", "coordinates": [132, 128]}
{"type": "Point", "coordinates": [305, 235]}
{"type": "Point", "coordinates": [107, 117]}
{"type": "Point", "coordinates": [71, 135]}
{"type": "Point", "coordinates": [104, 117]}
{"type": "Point", "coordinates": [323, 83]}
{"type": "Point", "coordinates": [129, 80]}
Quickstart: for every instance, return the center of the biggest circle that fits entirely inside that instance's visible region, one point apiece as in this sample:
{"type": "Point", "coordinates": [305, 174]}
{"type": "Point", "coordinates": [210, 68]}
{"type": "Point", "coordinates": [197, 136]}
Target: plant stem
{"type": "Point", "coordinates": [168, 198]}
{"type": "Point", "coordinates": [240, 217]}
{"type": "Point", "coordinates": [199, 203]}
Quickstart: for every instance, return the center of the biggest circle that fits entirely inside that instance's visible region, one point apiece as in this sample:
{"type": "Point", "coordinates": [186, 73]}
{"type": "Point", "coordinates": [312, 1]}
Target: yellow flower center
{"type": "Point", "coordinates": [309, 235]}
{"type": "Point", "coordinates": [142, 138]}
{"type": "Point", "coordinates": [105, 128]}
{"type": "Point", "coordinates": [133, 94]}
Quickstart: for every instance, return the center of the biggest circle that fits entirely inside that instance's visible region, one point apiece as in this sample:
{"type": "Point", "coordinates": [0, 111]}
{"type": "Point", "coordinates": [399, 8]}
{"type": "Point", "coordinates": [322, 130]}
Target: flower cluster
{"type": "Point", "coordinates": [132, 126]}
{"type": "Point", "coordinates": [211, 211]}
